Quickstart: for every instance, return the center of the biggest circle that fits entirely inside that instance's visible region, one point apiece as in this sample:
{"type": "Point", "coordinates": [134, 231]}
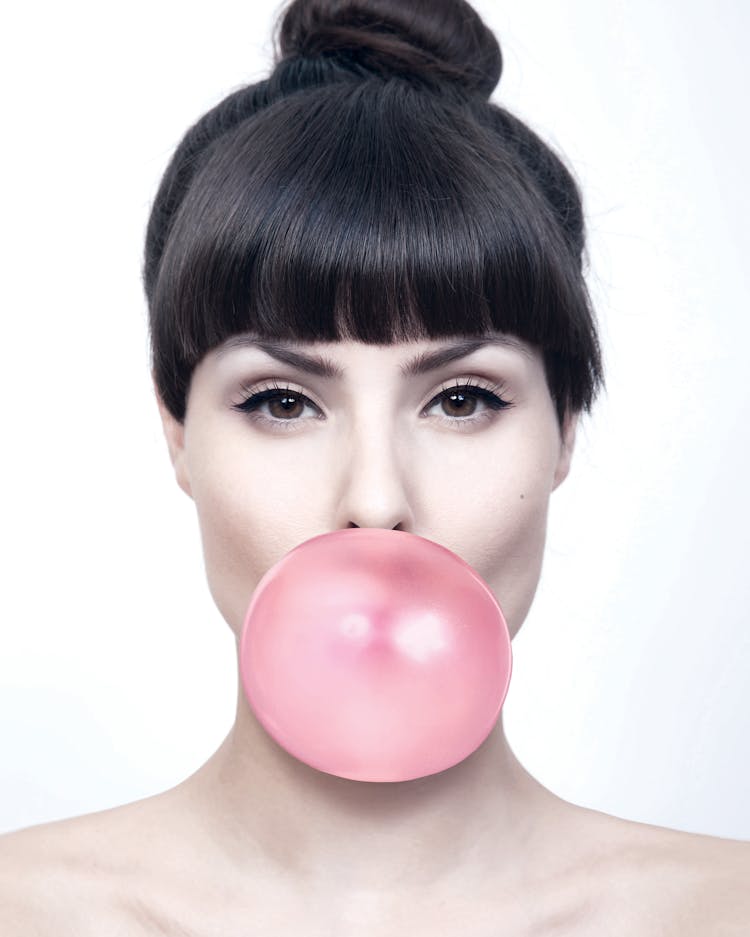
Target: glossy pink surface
{"type": "Point", "coordinates": [375, 655]}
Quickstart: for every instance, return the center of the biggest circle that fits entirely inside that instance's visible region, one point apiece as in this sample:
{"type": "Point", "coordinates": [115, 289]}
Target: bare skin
{"type": "Point", "coordinates": [140, 870]}
{"type": "Point", "coordinates": [258, 843]}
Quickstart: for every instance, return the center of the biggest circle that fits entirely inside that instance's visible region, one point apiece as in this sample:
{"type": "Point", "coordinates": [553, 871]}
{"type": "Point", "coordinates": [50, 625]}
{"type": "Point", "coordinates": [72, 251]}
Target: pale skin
{"type": "Point", "coordinates": [256, 842]}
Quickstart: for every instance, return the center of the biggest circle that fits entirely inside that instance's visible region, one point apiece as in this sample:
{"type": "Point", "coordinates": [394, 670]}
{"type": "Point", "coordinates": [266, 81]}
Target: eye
{"type": "Point", "coordinates": [459, 402]}
{"type": "Point", "coordinates": [285, 405]}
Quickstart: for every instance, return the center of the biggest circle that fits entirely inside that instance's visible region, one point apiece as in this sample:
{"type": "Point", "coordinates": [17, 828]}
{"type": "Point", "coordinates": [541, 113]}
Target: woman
{"type": "Point", "coordinates": [367, 309]}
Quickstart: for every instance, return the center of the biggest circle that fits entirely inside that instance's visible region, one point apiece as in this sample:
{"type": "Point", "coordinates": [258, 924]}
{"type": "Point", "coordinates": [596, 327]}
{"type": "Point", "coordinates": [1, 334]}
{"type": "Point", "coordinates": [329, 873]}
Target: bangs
{"type": "Point", "coordinates": [407, 223]}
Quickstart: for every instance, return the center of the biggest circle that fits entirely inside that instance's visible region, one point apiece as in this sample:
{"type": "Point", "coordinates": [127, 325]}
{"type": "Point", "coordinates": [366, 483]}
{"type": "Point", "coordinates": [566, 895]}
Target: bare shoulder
{"type": "Point", "coordinates": [637, 878]}
{"type": "Point", "coordinates": [63, 878]}
{"type": "Point", "coordinates": [697, 885]}
{"type": "Point", "coordinates": [37, 891]}
{"type": "Point", "coordinates": [715, 875]}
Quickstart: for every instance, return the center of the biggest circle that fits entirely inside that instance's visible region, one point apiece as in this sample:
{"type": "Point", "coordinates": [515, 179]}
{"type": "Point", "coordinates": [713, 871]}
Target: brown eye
{"type": "Point", "coordinates": [457, 403]}
{"type": "Point", "coordinates": [286, 406]}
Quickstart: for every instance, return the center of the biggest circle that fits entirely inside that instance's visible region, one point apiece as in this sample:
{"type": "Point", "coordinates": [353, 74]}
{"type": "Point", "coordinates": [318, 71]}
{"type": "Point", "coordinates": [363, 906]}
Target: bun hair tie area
{"type": "Point", "coordinates": [435, 43]}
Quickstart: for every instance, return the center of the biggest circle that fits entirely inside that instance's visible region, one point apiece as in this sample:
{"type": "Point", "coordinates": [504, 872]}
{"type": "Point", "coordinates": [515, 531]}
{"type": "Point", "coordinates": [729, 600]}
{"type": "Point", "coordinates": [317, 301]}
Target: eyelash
{"type": "Point", "coordinates": [488, 393]}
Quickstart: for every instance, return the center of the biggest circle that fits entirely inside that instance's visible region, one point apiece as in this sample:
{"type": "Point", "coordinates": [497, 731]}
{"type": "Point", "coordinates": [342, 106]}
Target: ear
{"type": "Point", "coordinates": [174, 433]}
{"type": "Point", "coordinates": [567, 443]}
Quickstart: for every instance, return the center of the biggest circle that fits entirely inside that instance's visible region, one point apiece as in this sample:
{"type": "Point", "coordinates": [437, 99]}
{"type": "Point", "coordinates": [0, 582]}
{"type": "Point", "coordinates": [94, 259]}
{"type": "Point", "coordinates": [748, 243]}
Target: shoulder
{"type": "Point", "coordinates": [58, 879]}
{"type": "Point", "coordinates": [696, 885]}
{"type": "Point", "coordinates": [716, 893]}
{"type": "Point", "coordinates": [636, 878]}
{"type": "Point", "coordinates": [35, 887]}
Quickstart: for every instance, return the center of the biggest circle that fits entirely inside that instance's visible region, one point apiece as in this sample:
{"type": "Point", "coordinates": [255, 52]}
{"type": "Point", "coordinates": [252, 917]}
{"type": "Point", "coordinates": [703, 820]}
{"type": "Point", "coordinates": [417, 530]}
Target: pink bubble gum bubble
{"type": "Point", "coordinates": [375, 655]}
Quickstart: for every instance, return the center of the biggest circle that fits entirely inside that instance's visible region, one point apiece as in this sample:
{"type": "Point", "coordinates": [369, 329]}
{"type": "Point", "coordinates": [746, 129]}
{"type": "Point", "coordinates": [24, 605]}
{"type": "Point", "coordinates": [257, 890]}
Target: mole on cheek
{"type": "Point", "coordinates": [522, 496]}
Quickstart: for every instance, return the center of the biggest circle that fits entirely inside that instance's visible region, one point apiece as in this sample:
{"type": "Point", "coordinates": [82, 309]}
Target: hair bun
{"type": "Point", "coordinates": [442, 40]}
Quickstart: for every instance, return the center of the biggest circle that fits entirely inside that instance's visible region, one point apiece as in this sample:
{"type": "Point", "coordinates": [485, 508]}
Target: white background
{"type": "Point", "coordinates": [631, 689]}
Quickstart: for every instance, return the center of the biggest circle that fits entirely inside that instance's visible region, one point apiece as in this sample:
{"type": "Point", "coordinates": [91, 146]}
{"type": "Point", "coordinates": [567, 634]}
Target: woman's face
{"type": "Point", "coordinates": [387, 442]}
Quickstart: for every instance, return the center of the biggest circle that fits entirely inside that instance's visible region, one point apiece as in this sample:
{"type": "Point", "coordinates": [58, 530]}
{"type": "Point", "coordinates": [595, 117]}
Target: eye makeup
{"type": "Point", "coordinates": [284, 403]}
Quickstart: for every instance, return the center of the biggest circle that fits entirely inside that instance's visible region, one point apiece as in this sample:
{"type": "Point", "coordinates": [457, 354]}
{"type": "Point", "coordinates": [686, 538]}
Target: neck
{"type": "Point", "coordinates": [485, 819]}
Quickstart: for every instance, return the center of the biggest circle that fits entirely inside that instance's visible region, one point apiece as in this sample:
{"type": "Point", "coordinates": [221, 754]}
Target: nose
{"type": "Point", "coordinates": [375, 484]}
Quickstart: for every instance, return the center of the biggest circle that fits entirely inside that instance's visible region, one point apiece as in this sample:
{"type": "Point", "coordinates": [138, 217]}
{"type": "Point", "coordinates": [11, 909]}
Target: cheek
{"type": "Point", "coordinates": [513, 557]}
{"type": "Point", "coordinates": [503, 539]}
{"type": "Point", "coordinates": [497, 522]}
{"type": "Point", "coordinates": [243, 519]}
{"type": "Point", "coordinates": [233, 548]}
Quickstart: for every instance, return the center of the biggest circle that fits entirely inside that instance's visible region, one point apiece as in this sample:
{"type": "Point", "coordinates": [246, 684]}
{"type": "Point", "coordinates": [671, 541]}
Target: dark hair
{"type": "Point", "coordinates": [368, 190]}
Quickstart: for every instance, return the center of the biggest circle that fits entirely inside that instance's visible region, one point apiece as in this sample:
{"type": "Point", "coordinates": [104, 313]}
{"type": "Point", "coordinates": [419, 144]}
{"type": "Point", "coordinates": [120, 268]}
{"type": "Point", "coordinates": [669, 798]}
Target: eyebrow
{"type": "Point", "coordinates": [324, 367]}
